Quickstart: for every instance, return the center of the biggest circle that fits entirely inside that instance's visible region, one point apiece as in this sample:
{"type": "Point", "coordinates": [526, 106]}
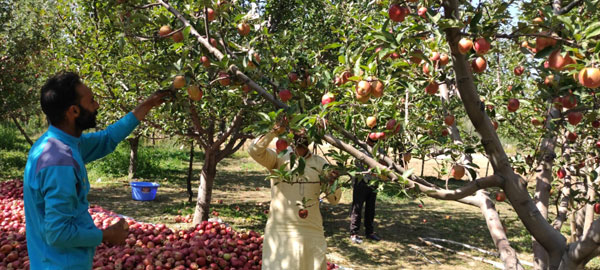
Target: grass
{"type": "Point", "coordinates": [240, 183]}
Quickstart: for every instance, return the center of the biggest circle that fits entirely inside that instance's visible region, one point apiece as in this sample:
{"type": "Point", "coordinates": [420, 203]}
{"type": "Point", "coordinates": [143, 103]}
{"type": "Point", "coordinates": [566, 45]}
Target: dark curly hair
{"type": "Point", "coordinates": [58, 94]}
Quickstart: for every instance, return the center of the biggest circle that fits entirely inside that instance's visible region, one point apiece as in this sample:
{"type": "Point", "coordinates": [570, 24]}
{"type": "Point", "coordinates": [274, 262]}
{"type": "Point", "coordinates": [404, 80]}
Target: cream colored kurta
{"type": "Point", "coordinates": [291, 242]}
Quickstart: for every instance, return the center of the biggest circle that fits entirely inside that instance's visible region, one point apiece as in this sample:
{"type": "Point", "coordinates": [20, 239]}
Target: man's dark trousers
{"type": "Point", "coordinates": [362, 194]}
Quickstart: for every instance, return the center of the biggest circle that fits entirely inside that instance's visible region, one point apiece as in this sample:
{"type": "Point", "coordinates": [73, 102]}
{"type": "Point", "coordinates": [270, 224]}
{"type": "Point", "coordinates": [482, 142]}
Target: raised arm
{"type": "Point", "coordinates": [99, 144]}
{"type": "Point", "coordinates": [260, 152]}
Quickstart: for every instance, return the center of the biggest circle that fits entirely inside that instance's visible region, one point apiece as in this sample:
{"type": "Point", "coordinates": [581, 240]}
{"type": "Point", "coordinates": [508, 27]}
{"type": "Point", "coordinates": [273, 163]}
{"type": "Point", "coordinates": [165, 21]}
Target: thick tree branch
{"type": "Point", "coordinates": [514, 186]}
{"type": "Point", "coordinates": [558, 10]}
{"type": "Point", "coordinates": [236, 123]}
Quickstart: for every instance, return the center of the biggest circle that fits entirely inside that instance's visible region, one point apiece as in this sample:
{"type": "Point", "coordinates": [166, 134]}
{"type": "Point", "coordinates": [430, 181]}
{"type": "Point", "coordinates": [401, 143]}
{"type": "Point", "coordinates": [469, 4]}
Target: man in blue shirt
{"type": "Point", "coordinates": [60, 232]}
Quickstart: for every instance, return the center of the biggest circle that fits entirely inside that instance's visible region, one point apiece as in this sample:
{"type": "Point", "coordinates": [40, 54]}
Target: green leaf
{"type": "Point", "coordinates": [592, 30]}
{"type": "Point", "coordinates": [475, 20]}
{"type": "Point", "coordinates": [332, 46]}
{"type": "Point", "coordinates": [545, 52]}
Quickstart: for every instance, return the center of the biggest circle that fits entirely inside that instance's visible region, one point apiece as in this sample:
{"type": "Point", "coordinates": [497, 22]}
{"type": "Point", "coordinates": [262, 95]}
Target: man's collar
{"type": "Point", "coordinates": [63, 136]}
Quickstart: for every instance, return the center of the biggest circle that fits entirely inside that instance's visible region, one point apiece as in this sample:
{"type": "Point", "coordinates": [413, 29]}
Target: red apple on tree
{"type": "Point", "coordinates": [285, 95]}
{"type": "Point", "coordinates": [327, 98]}
{"type": "Point", "coordinates": [243, 29]}
{"type": "Point", "coordinates": [481, 46]}
{"type": "Point", "coordinates": [449, 120]}
{"type": "Point", "coordinates": [205, 61]}
{"type": "Point", "coordinates": [303, 213]}
{"type": "Point", "coordinates": [597, 208]}
{"type": "Point", "coordinates": [596, 123]}
{"type": "Point", "coordinates": [281, 145]}
{"type": "Point", "coordinates": [513, 105]}
{"type": "Point", "coordinates": [179, 82]}
{"type": "Point", "coordinates": [479, 65]}
{"type": "Point", "coordinates": [434, 56]}
{"type": "Point", "coordinates": [572, 136]}
{"type": "Point", "coordinates": [422, 11]}
{"type": "Point", "coordinates": [589, 77]}
{"type": "Point", "coordinates": [444, 59]}
{"type": "Point", "coordinates": [164, 30]}
{"type": "Point", "coordinates": [371, 121]}
{"type": "Point", "coordinates": [293, 76]}
{"type": "Point", "coordinates": [224, 79]}
{"type": "Point", "coordinates": [574, 118]}
{"type": "Point", "coordinates": [377, 88]}
{"type": "Point", "coordinates": [432, 88]}
{"type": "Point", "coordinates": [210, 14]}
{"type": "Point", "coordinates": [500, 196]}
{"type": "Point", "coordinates": [561, 173]}
{"type": "Point", "coordinates": [396, 13]}
{"type": "Point", "coordinates": [519, 70]}
{"type": "Point", "coordinates": [464, 45]}
{"type": "Point", "coordinates": [363, 88]}
{"type": "Point", "coordinates": [457, 171]}
{"type": "Point", "coordinates": [194, 92]}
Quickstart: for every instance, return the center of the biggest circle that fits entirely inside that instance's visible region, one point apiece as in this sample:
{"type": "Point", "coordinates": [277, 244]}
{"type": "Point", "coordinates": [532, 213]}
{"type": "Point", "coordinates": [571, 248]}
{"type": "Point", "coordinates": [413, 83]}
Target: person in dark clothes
{"type": "Point", "coordinates": [363, 194]}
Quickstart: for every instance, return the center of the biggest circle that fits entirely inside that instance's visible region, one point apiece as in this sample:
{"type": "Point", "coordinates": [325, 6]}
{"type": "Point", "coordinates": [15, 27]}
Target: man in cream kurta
{"type": "Point", "coordinates": [292, 242]}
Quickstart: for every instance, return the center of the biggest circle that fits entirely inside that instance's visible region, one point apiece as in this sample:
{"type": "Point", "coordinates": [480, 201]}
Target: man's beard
{"type": "Point", "coordinates": [86, 119]}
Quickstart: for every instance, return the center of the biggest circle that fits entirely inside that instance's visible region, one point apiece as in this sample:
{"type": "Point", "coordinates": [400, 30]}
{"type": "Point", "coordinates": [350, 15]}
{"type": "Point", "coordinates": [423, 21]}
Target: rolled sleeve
{"type": "Point", "coordinates": [61, 227]}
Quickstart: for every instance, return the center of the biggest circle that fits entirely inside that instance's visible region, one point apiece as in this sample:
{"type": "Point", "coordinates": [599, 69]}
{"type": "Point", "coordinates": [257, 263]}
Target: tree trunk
{"type": "Point", "coordinates": [514, 186]}
{"type": "Point", "coordinates": [207, 177]}
{"type": "Point", "coordinates": [133, 156]}
{"type": "Point", "coordinates": [543, 186]}
{"type": "Point", "coordinates": [21, 130]}
{"type": "Point", "coordinates": [189, 176]}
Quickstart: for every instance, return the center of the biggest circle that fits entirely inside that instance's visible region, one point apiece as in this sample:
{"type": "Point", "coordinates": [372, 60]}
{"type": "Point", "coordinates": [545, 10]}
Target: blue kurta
{"type": "Point", "coordinates": [60, 231]}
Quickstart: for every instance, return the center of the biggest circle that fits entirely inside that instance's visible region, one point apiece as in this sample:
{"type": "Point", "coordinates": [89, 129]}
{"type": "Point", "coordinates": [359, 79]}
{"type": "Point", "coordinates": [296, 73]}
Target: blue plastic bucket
{"type": "Point", "coordinates": [143, 191]}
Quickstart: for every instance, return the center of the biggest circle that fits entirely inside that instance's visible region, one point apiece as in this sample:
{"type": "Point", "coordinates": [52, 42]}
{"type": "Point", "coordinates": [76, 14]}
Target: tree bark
{"type": "Point", "coordinates": [514, 186]}
{"type": "Point", "coordinates": [190, 169]}
{"type": "Point", "coordinates": [543, 186]}
{"type": "Point", "coordinates": [492, 219]}
{"type": "Point", "coordinates": [16, 121]}
{"type": "Point", "coordinates": [133, 156]}
{"type": "Point", "coordinates": [207, 178]}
